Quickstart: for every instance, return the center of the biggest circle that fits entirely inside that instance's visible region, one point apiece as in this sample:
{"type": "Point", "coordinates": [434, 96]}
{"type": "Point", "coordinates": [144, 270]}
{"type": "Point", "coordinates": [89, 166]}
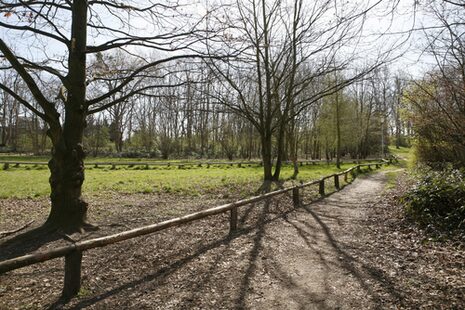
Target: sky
{"type": "Point", "coordinates": [394, 26]}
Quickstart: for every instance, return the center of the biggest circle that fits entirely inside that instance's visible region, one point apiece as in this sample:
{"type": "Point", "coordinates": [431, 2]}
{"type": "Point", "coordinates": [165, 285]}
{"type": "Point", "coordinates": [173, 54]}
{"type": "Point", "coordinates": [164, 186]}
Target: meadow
{"type": "Point", "coordinates": [32, 181]}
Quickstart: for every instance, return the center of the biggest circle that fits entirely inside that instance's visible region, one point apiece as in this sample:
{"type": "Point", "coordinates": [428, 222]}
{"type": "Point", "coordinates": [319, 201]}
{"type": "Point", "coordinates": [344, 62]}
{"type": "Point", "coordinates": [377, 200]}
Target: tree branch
{"type": "Point", "coordinates": [51, 113]}
{"type": "Point", "coordinates": [22, 101]}
{"type": "Point", "coordinates": [128, 79]}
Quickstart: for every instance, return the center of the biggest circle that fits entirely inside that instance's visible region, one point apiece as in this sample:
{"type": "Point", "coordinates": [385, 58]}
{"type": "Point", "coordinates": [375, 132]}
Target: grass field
{"type": "Point", "coordinates": [406, 155]}
{"type": "Point", "coordinates": [31, 182]}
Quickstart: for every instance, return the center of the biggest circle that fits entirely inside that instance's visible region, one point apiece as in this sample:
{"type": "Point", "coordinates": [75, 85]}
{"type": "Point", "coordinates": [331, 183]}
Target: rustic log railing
{"type": "Point", "coordinates": [73, 252]}
{"type": "Point", "coordinates": [10, 163]}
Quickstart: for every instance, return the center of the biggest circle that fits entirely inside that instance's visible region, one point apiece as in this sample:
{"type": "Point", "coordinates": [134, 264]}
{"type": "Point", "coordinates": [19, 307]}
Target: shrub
{"type": "Point", "coordinates": [437, 201]}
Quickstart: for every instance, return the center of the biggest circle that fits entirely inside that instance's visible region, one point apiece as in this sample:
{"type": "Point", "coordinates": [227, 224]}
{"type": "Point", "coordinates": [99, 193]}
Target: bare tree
{"type": "Point", "coordinates": [287, 48]}
{"type": "Point", "coordinates": [67, 26]}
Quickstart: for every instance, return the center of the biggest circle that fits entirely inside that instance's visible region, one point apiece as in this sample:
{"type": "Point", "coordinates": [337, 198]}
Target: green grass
{"type": "Point", "coordinates": [24, 183]}
{"type": "Point", "coordinates": [33, 182]}
{"type": "Point", "coordinates": [406, 159]}
{"type": "Point", "coordinates": [406, 155]}
{"type": "Point", "coordinates": [391, 179]}
{"type": "Point", "coordinates": [84, 292]}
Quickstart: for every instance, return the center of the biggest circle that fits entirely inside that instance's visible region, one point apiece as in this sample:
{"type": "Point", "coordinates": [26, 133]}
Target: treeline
{"type": "Point", "coordinates": [186, 122]}
{"type": "Point", "coordinates": [190, 120]}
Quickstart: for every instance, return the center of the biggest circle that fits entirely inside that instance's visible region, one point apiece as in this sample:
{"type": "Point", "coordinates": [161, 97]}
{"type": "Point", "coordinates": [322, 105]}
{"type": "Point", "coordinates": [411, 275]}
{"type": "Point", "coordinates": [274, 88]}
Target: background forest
{"type": "Point", "coordinates": [187, 122]}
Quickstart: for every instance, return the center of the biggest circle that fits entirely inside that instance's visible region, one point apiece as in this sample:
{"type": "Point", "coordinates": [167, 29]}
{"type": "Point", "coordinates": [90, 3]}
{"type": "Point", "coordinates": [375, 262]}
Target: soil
{"type": "Point", "coordinates": [351, 250]}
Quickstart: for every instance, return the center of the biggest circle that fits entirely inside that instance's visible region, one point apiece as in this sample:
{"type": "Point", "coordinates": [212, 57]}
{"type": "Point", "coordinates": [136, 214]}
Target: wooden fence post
{"type": "Point", "coordinates": [295, 197]}
{"type": "Point", "coordinates": [113, 167]}
{"type": "Point", "coordinates": [239, 165]}
{"type": "Point", "coordinates": [336, 181]}
{"type": "Point", "coordinates": [345, 177]}
{"type": "Point", "coordinates": [72, 283]}
{"type": "Point", "coordinates": [6, 166]}
{"type": "Point", "coordinates": [359, 170]}
{"type": "Point", "coordinates": [369, 167]}
{"type": "Point", "coordinates": [233, 220]}
{"type": "Point", "coordinates": [322, 187]}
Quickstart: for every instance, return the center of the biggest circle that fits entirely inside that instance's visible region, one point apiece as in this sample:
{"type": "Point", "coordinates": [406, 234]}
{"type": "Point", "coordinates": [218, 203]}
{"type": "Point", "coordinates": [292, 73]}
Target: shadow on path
{"type": "Point", "coordinates": [27, 242]}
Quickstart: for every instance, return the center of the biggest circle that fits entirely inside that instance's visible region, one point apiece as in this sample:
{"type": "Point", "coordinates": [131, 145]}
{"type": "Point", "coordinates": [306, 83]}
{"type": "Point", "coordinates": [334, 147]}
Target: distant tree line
{"type": "Point", "coordinates": [189, 122]}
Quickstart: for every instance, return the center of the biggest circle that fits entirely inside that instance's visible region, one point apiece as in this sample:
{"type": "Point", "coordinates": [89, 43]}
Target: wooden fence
{"type": "Point", "coordinates": [73, 252]}
{"type": "Point", "coordinates": [8, 163]}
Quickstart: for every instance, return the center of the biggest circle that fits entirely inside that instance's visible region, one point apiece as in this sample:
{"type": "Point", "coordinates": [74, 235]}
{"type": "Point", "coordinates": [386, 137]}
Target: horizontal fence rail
{"type": "Point", "coordinates": [73, 252]}
{"type": "Point", "coordinates": [15, 163]}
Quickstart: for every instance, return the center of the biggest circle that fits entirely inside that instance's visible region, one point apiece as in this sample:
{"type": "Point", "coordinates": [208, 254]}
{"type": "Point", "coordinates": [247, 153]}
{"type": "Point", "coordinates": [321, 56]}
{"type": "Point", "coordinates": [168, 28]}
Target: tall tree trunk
{"type": "Point", "coordinates": [266, 156]}
{"type": "Point", "coordinates": [69, 210]}
{"type": "Point", "coordinates": [338, 134]}
{"type": "Point", "coordinates": [279, 159]}
{"type": "Point", "coordinates": [293, 150]}
{"type": "Point", "coordinates": [398, 130]}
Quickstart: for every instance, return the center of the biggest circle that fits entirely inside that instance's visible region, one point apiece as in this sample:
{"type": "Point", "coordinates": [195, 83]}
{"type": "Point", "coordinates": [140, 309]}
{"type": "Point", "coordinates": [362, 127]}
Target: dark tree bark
{"type": "Point", "coordinates": [267, 156]}
{"type": "Point", "coordinates": [69, 210]}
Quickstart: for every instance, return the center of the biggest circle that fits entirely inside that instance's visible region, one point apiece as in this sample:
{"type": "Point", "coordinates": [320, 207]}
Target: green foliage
{"type": "Point", "coordinates": [360, 129]}
{"type": "Point", "coordinates": [327, 123]}
{"type": "Point", "coordinates": [437, 201]}
{"type": "Point", "coordinates": [406, 155]}
{"type": "Point", "coordinates": [96, 138]}
{"type": "Point", "coordinates": [436, 117]}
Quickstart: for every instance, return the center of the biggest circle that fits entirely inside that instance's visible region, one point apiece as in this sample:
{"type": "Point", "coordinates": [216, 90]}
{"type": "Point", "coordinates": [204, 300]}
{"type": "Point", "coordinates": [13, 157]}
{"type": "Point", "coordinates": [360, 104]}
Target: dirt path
{"type": "Point", "coordinates": [310, 264]}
